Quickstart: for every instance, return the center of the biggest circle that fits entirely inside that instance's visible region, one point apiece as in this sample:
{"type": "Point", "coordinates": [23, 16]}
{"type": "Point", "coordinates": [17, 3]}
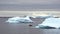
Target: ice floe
{"type": "Point", "coordinates": [50, 22]}
{"type": "Point", "coordinates": [19, 19]}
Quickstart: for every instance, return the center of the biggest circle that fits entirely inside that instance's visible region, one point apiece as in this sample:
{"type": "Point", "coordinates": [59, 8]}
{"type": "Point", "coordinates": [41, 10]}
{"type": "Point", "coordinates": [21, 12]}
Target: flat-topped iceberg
{"type": "Point", "coordinates": [50, 22]}
{"type": "Point", "coordinates": [45, 16]}
{"type": "Point", "coordinates": [19, 20]}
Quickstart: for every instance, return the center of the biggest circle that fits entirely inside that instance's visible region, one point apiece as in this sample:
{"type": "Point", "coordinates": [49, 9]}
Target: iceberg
{"type": "Point", "coordinates": [19, 20]}
{"type": "Point", "coordinates": [50, 22]}
{"type": "Point", "coordinates": [13, 20]}
{"type": "Point", "coordinates": [48, 16]}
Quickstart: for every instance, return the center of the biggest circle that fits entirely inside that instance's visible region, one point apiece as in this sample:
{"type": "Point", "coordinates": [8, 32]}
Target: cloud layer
{"type": "Point", "coordinates": [29, 1]}
{"type": "Point", "coordinates": [29, 4]}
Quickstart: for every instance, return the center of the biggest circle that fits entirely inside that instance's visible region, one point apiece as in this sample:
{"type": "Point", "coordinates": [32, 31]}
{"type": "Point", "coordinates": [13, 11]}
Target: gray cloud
{"type": "Point", "coordinates": [29, 4]}
{"type": "Point", "coordinates": [29, 1]}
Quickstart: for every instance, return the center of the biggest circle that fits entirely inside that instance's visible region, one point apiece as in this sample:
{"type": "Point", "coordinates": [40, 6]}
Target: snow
{"type": "Point", "coordinates": [51, 22]}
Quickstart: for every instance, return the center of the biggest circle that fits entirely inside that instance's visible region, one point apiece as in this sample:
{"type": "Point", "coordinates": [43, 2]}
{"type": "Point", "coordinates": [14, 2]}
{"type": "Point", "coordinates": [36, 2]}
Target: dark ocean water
{"type": "Point", "coordinates": [21, 28]}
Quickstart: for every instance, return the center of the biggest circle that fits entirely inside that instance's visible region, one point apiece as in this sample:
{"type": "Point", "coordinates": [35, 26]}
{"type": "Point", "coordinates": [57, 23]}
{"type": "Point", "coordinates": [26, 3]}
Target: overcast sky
{"type": "Point", "coordinates": [30, 1]}
{"type": "Point", "coordinates": [55, 4]}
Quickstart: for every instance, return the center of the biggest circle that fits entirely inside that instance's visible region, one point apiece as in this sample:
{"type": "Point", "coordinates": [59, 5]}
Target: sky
{"type": "Point", "coordinates": [28, 4]}
{"type": "Point", "coordinates": [30, 1]}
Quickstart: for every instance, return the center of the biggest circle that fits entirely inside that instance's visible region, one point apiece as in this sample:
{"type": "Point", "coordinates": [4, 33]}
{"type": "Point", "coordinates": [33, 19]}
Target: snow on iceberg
{"type": "Point", "coordinates": [50, 22]}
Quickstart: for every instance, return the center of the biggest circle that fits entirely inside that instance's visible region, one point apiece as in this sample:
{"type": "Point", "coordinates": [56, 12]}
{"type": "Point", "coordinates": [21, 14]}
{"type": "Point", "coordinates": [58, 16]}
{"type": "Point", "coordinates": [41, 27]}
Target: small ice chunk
{"type": "Point", "coordinates": [36, 26]}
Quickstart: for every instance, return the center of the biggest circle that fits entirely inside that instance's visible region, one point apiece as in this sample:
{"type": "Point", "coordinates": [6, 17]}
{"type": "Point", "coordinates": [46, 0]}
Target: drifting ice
{"type": "Point", "coordinates": [18, 20]}
{"type": "Point", "coordinates": [51, 22]}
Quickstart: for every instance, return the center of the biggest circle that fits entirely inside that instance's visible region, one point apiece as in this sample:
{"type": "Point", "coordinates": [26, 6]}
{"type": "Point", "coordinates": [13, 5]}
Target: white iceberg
{"type": "Point", "coordinates": [46, 16]}
{"type": "Point", "coordinates": [19, 19]}
{"type": "Point", "coordinates": [50, 22]}
{"type": "Point", "coordinates": [13, 20]}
